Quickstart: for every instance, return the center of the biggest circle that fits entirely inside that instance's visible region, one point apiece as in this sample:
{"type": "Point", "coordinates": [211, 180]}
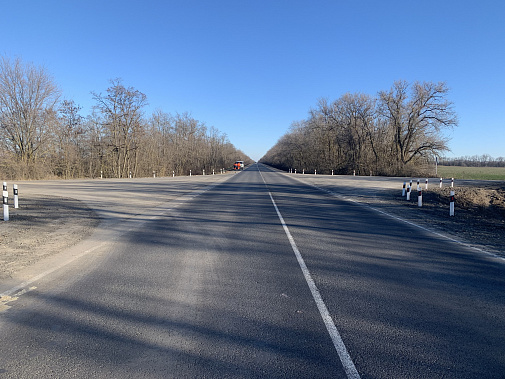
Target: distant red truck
{"type": "Point", "coordinates": [238, 165]}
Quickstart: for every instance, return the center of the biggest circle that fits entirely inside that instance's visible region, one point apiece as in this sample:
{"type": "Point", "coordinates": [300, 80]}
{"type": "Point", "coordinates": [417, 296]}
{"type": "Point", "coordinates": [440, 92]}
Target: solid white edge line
{"type": "Point", "coordinates": [342, 352]}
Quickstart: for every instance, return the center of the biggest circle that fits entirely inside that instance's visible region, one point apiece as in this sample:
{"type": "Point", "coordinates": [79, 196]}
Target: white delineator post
{"type": "Point", "coordinates": [441, 182]}
{"type": "Point", "coordinates": [16, 200]}
{"type": "Point", "coordinates": [189, 172]}
{"type": "Point", "coordinates": [408, 193]}
{"type": "Point", "coordinates": [315, 172]}
{"type": "Point", "coordinates": [452, 182]}
{"type": "Point", "coordinates": [419, 197]}
{"type": "Point", "coordinates": [403, 190]}
{"type": "Point", "coordinates": [5, 201]}
{"type": "Point", "coordinates": [426, 183]}
{"type": "Point", "coordinates": [451, 204]}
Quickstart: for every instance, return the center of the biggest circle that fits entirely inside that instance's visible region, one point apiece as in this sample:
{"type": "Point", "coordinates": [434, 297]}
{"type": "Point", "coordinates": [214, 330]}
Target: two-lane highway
{"type": "Point", "coordinates": [264, 276]}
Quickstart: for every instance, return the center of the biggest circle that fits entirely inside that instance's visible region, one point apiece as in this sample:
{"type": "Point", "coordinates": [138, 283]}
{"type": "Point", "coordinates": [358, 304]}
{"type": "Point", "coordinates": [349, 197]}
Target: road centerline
{"type": "Point", "coordinates": [338, 343]}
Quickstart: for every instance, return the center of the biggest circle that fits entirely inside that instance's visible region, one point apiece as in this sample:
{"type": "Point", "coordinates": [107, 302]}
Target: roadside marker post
{"type": "Point", "coordinates": [315, 172]}
{"type": "Point", "coordinates": [426, 183]}
{"type": "Point", "coordinates": [452, 182]}
{"type": "Point", "coordinates": [5, 201]}
{"type": "Point", "coordinates": [417, 183]}
{"type": "Point", "coordinates": [441, 182]}
{"type": "Point", "coordinates": [16, 199]}
{"type": "Point", "coordinates": [332, 172]}
{"type": "Point", "coordinates": [408, 193]}
{"type": "Point", "coordinates": [203, 172]}
{"type": "Point", "coordinates": [451, 204]}
{"type": "Point", "coordinates": [189, 172]}
{"type": "Point", "coordinates": [419, 197]}
{"type": "Point", "coordinates": [410, 183]}
{"type": "Point", "coordinates": [403, 190]}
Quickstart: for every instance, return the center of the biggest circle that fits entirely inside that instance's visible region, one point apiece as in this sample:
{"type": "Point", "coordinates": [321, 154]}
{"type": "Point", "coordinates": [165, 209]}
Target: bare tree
{"type": "Point", "coordinates": [122, 111]}
{"type": "Point", "coordinates": [69, 135]}
{"type": "Point", "coordinates": [417, 118]}
{"type": "Point", "coordinates": [28, 97]}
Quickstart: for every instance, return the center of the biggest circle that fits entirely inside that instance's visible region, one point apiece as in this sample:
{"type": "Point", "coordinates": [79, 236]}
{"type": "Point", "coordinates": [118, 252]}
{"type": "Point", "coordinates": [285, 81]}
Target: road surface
{"type": "Point", "coordinates": [259, 276]}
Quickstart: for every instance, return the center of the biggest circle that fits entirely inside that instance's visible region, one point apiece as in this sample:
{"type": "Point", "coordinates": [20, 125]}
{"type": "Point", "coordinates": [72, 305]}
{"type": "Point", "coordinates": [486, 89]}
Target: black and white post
{"type": "Point", "coordinates": [408, 193]}
{"type": "Point", "coordinates": [441, 180]}
{"type": "Point", "coordinates": [5, 201]}
{"type": "Point", "coordinates": [451, 204]}
{"type": "Point", "coordinates": [16, 197]}
{"type": "Point", "coordinates": [419, 197]}
{"type": "Point", "coordinates": [403, 190]}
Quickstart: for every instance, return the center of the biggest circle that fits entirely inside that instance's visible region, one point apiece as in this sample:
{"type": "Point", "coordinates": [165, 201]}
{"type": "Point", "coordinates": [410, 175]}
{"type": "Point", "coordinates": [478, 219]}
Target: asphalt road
{"type": "Point", "coordinates": [216, 286]}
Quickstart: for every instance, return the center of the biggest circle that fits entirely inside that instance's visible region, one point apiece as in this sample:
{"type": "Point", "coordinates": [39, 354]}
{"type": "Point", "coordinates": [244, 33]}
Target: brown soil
{"type": "Point", "coordinates": [41, 227]}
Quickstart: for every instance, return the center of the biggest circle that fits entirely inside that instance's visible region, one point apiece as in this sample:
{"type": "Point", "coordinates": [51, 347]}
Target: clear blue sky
{"type": "Point", "coordinates": [251, 68]}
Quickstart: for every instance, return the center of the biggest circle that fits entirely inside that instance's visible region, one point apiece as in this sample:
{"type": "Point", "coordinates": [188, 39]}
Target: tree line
{"type": "Point", "coordinates": [396, 132]}
{"type": "Point", "coordinates": [483, 160]}
{"type": "Point", "coordinates": [43, 136]}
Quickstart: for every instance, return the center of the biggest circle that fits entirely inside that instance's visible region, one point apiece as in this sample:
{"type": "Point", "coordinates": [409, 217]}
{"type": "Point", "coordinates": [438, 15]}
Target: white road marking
{"type": "Point", "coordinates": [45, 273]}
{"type": "Point", "coordinates": [342, 352]}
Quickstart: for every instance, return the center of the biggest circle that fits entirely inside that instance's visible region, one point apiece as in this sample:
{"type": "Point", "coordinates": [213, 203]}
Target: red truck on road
{"type": "Point", "coordinates": [238, 165]}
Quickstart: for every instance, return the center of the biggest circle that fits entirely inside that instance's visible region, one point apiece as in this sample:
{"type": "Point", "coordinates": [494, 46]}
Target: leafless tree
{"type": "Point", "coordinates": [28, 97]}
{"type": "Point", "coordinates": [122, 111]}
{"type": "Point", "coordinates": [417, 118]}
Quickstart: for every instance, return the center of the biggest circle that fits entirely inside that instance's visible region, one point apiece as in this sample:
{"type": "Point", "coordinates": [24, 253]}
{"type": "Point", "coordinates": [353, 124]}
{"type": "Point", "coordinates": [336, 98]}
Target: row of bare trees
{"type": "Point", "coordinates": [484, 160]}
{"type": "Point", "coordinates": [389, 134]}
{"type": "Point", "coordinates": [42, 137]}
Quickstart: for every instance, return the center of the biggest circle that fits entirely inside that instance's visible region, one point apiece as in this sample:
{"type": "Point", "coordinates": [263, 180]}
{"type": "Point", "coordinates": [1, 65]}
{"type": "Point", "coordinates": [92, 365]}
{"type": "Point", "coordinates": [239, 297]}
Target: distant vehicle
{"type": "Point", "coordinates": [238, 165]}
